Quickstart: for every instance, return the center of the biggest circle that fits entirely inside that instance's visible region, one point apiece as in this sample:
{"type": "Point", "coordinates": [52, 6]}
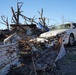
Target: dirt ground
{"type": "Point", "coordinates": [67, 65]}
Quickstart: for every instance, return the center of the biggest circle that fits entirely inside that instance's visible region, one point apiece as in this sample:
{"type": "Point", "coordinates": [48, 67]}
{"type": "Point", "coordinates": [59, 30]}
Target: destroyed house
{"type": "Point", "coordinates": [5, 31]}
{"type": "Point", "coordinates": [23, 26]}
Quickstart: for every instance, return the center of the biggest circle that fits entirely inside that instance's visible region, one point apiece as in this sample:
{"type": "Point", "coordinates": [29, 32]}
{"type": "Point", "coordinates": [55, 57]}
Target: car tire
{"type": "Point", "coordinates": [71, 40]}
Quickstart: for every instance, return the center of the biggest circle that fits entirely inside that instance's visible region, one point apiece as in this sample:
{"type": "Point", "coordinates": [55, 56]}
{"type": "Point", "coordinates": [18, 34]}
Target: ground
{"type": "Point", "coordinates": [67, 65]}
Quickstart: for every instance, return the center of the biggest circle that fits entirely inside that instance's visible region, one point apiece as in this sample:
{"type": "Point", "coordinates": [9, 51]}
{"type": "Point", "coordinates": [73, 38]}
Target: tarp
{"type": "Point", "coordinates": [43, 28]}
{"type": "Point", "coordinates": [61, 53]}
{"type": "Point", "coordinates": [40, 25]}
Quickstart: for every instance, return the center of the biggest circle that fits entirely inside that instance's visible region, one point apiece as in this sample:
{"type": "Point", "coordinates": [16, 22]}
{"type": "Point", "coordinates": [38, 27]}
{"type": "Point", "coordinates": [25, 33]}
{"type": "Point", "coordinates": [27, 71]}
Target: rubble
{"type": "Point", "coordinates": [39, 54]}
{"type": "Point", "coordinates": [46, 57]}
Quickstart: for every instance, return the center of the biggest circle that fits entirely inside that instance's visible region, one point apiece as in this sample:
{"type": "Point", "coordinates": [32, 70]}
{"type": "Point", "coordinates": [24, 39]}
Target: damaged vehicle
{"type": "Point", "coordinates": [66, 31]}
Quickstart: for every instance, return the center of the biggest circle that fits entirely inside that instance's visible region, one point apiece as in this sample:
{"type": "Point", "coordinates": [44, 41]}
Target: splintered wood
{"type": "Point", "coordinates": [42, 54]}
{"type": "Point", "coordinates": [39, 56]}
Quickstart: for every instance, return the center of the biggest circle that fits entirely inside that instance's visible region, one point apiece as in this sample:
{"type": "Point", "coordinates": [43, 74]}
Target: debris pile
{"type": "Point", "coordinates": [38, 55]}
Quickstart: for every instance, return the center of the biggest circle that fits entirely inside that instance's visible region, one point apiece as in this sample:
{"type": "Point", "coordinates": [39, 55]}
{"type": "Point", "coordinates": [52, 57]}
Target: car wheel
{"type": "Point", "coordinates": [71, 40]}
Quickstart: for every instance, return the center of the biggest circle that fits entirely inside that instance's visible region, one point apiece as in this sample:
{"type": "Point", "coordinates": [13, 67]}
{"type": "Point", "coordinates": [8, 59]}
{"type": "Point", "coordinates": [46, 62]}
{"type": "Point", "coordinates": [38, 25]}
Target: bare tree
{"type": "Point", "coordinates": [5, 21]}
{"type": "Point", "coordinates": [41, 18]}
{"type": "Point", "coordinates": [15, 17]}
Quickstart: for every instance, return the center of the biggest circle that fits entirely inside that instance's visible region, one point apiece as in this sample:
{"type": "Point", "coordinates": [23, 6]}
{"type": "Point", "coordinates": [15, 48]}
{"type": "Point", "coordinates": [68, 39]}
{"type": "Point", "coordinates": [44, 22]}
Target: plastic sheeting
{"type": "Point", "coordinates": [40, 26]}
{"type": "Point", "coordinates": [61, 53]}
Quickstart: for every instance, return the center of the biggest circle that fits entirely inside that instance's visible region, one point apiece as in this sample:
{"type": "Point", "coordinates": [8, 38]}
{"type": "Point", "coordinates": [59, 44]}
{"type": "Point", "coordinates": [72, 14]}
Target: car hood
{"type": "Point", "coordinates": [52, 33]}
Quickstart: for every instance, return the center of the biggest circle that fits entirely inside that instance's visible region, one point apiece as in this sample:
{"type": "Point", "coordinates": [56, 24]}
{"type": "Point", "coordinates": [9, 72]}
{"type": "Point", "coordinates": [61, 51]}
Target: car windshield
{"type": "Point", "coordinates": [63, 26]}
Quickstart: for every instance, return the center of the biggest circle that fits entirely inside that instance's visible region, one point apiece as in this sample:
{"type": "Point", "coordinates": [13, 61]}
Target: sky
{"type": "Point", "coordinates": [58, 11]}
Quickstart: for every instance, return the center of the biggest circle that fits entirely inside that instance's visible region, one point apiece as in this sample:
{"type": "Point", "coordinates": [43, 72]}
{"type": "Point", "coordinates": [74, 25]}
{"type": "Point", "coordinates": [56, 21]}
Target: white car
{"type": "Point", "coordinates": [66, 31]}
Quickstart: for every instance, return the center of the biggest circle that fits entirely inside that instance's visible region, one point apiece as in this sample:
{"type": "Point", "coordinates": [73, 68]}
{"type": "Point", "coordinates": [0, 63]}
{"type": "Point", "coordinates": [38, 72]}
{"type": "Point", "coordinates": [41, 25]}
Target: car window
{"type": "Point", "coordinates": [63, 26]}
{"type": "Point", "coordinates": [67, 26]}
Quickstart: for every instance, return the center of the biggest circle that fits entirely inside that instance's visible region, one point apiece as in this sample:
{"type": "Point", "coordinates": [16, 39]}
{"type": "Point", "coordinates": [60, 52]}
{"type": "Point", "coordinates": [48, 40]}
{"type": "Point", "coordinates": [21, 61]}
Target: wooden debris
{"type": "Point", "coordinates": [39, 56]}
